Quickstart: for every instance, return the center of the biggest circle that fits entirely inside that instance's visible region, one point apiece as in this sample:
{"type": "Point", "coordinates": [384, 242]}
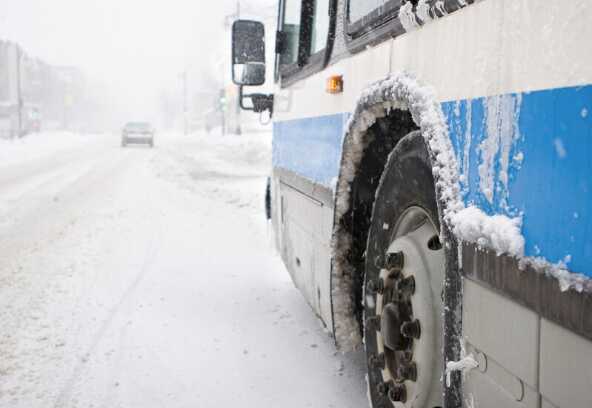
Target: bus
{"type": "Point", "coordinates": [430, 192]}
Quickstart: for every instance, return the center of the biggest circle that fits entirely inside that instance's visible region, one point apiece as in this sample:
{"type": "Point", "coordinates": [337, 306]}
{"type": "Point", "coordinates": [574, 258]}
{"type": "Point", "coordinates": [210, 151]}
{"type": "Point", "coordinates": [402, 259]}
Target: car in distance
{"type": "Point", "coordinates": [137, 132]}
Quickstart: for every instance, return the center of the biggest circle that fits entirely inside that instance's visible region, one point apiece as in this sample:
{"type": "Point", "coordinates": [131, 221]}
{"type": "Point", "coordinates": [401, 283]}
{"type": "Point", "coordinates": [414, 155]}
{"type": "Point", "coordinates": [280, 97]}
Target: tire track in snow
{"type": "Point", "coordinates": [65, 394]}
{"type": "Point", "coordinates": [30, 272]}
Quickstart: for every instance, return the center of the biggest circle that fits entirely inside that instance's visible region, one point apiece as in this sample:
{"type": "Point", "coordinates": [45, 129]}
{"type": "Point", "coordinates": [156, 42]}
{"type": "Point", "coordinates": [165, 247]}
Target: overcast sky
{"type": "Point", "coordinates": [136, 45]}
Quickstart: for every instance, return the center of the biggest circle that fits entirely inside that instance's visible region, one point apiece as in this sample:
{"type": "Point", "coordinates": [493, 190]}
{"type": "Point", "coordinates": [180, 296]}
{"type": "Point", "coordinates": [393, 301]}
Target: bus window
{"type": "Point", "coordinates": [359, 9]}
{"type": "Point", "coordinates": [320, 26]}
{"type": "Point", "coordinates": [291, 29]}
{"type": "Point", "coordinates": [365, 13]}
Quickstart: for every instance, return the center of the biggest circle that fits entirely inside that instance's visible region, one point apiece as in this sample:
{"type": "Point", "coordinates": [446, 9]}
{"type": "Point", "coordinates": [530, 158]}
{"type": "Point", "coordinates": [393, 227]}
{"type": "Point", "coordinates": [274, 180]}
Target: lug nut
{"type": "Point", "coordinates": [395, 260]}
{"type": "Point", "coordinates": [407, 285]}
{"type": "Point", "coordinates": [407, 355]}
{"type": "Point", "coordinates": [407, 371]}
{"type": "Point", "coordinates": [375, 286]}
{"type": "Point", "coordinates": [377, 361]}
{"type": "Point", "coordinates": [382, 388]}
{"type": "Point", "coordinates": [394, 275]}
{"type": "Point", "coordinates": [378, 262]}
{"type": "Point", "coordinates": [411, 329]}
{"type": "Point", "coordinates": [373, 323]}
{"type": "Point", "coordinates": [397, 393]}
{"type": "Point", "coordinates": [371, 286]}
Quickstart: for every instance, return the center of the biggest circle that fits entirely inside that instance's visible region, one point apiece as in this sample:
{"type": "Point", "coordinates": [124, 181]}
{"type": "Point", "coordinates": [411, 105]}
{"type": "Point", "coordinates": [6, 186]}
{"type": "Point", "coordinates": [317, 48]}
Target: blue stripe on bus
{"type": "Point", "coordinates": [551, 186]}
{"type": "Point", "coordinates": [310, 147]}
{"type": "Point", "coordinates": [548, 145]}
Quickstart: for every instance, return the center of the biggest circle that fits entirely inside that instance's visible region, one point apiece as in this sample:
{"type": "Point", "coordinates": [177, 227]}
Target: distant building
{"type": "Point", "coordinates": [9, 93]}
{"type": "Point", "coordinates": [68, 98]}
{"type": "Point", "coordinates": [36, 95]}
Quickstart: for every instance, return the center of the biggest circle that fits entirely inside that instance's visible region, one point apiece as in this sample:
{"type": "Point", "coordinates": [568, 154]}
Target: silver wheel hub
{"type": "Point", "coordinates": [408, 318]}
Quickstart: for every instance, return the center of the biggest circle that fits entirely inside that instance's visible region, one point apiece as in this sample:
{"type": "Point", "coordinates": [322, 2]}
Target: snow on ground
{"type": "Point", "coordinates": [145, 277]}
{"type": "Point", "coordinates": [38, 145]}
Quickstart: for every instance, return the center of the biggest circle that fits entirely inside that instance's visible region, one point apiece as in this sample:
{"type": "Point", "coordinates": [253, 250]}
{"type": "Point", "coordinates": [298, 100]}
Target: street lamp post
{"type": "Point", "coordinates": [19, 92]}
{"type": "Point", "coordinates": [185, 124]}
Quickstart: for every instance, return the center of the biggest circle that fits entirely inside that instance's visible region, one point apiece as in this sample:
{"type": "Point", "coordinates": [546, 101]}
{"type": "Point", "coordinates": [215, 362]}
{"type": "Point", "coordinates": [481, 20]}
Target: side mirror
{"type": "Point", "coordinates": [248, 53]}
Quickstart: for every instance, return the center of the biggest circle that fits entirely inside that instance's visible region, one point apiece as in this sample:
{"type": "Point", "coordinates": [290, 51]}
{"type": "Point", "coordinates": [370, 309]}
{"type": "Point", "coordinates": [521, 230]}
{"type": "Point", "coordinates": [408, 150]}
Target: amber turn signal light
{"type": "Point", "coordinates": [335, 84]}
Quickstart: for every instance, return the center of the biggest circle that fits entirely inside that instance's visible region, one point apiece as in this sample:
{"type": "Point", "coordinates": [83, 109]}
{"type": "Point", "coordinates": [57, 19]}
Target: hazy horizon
{"type": "Point", "coordinates": [136, 48]}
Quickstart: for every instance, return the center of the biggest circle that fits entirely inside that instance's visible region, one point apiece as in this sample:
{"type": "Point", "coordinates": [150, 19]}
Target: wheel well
{"type": "Point", "coordinates": [386, 107]}
{"type": "Point", "coordinates": [384, 135]}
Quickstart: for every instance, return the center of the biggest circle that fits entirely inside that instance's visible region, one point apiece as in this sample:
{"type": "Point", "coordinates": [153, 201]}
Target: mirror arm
{"type": "Point", "coordinates": [261, 102]}
{"type": "Point", "coordinates": [241, 97]}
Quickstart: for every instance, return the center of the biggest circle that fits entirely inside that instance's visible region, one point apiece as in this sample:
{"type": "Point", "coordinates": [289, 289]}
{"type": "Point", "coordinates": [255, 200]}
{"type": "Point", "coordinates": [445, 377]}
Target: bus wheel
{"type": "Point", "coordinates": [403, 283]}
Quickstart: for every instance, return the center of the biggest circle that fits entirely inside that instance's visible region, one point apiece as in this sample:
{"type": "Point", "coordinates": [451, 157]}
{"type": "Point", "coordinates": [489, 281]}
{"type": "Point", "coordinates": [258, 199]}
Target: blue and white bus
{"type": "Point", "coordinates": [431, 191]}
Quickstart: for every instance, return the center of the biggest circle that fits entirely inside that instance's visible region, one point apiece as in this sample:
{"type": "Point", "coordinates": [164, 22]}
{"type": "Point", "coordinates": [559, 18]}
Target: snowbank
{"type": "Point", "coordinates": [38, 145]}
{"type": "Point", "coordinates": [246, 154]}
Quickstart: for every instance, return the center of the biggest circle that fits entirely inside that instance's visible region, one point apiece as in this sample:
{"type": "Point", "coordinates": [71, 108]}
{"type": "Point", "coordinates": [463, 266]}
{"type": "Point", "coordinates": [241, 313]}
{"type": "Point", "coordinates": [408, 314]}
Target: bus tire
{"type": "Point", "coordinates": [403, 283]}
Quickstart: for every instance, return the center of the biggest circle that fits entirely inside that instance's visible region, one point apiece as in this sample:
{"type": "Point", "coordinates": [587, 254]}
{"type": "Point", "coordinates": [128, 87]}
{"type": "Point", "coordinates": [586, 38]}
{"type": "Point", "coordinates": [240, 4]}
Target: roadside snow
{"type": "Point", "coordinates": [44, 144]}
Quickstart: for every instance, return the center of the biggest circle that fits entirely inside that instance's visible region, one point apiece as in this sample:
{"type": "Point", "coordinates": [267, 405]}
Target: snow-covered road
{"type": "Point", "coordinates": [141, 278]}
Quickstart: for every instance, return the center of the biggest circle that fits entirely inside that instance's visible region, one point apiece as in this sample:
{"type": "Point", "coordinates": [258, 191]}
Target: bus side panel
{"type": "Point", "coordinates": [300, 224]}
{"type": "Point", "coordinates": [524, 358]}
{"type": "Point", "coordinates": [306, 155]}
